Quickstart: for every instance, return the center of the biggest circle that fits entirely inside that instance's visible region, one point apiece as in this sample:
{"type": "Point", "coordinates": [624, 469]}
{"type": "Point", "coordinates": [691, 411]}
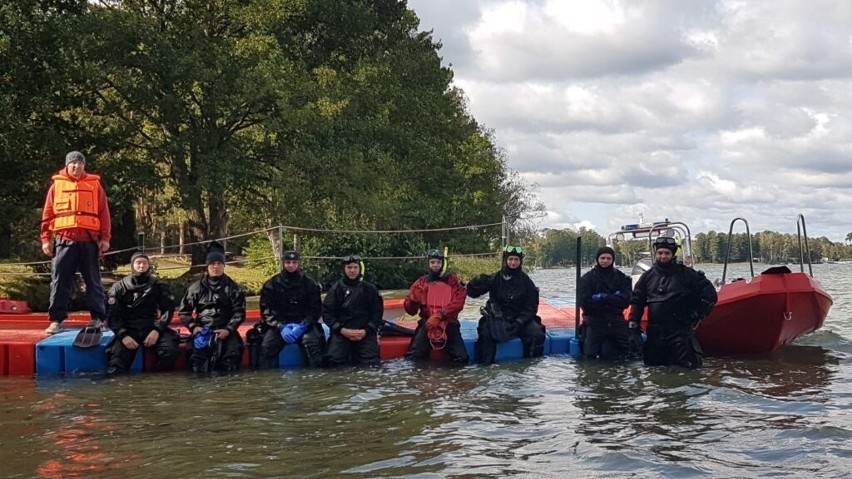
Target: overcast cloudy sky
{"type": "Point", "coordinates": [698, 111]}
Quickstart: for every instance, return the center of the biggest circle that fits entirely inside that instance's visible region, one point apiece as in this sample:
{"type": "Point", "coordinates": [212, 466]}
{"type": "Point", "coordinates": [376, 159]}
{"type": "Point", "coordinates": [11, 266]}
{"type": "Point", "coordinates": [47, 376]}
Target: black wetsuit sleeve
{"type": "Point", "coordinates": [622, 301]}
{"type": "Point", "coordinates": [238, 307]}
{"type": "Point", "coordinates": [585, 290]}
{"type": "Point", "coordinates": [314, 303]}
{"type": "Point", "coordinates": [115, 309]}
{"type": "Point", "coordinates": [707, 295]}
{"type": "Point", "coordinates": [529, 309]}
{"type": "Point", "coordinates": [268, 310]}
{"type": "Point", "coordinates": [479, 285]}
{"type": "Point", "coordinates": [330, 308]}
{"type": "Point", "coordinates": [187, 305]}
{"type": "Point", "coordinates": [165, 305]}
{"type": "Point", "coordinates": [376, 308]}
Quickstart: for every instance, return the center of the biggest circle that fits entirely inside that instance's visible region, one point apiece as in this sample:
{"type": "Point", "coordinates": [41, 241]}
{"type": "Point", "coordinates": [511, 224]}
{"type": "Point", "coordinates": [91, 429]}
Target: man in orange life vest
{"type": "Point", "coordinates": [76, 213]}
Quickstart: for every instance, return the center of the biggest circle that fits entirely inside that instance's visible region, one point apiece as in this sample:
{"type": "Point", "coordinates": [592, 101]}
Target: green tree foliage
{"type": "Point", "coordinates": [34, 135]}
{"type": "Point", "coordinates": [207, 117]}
{"type": "Point", "coordinates": [559, 247]}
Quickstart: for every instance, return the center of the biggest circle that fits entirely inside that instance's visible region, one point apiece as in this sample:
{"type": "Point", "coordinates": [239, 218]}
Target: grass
{"type": "Point", "coordinates": [23, 283]}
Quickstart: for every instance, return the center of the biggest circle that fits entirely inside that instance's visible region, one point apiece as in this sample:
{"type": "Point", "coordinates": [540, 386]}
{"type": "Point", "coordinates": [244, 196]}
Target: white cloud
{"type": "Point", "coordinates": [697, 111]}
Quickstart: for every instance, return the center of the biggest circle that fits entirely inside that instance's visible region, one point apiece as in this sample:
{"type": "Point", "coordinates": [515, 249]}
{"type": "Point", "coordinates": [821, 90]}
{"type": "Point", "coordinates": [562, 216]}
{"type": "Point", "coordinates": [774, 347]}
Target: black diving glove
{"type": "Point", "coordinates": [515, 327]}
{"type": "Point", "coordinates": [695, 320]}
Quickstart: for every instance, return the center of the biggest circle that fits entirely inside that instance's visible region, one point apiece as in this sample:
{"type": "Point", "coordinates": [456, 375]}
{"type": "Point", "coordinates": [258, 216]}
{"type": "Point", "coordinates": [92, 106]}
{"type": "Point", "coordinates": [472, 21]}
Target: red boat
{"type": "Point", "coordinates": [756, 315]}
{"type": "Point", "coordinates": [761, 314]}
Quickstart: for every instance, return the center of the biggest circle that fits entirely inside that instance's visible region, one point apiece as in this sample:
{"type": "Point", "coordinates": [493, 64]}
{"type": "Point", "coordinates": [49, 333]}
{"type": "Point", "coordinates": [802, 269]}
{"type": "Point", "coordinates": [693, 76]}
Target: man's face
{"type": "Point", "coordinates": [352, 270]}
{"type": "Point", "coordinates": [664, 255]}
{"type": "Point", "coordinates": [76, 169]}
{"type": "Point", "coordinates": [291, 265]}
{"type": "Point", "coordinates": [141, 265]}
{"type": "Point", "coordinates": [513, 262]}
{"type": "Point", "coordinates": [216, 269]}
{"type": "Point", "coordinates": [605, 260]}
{"type": "Point", "coordinates": [435, 265]}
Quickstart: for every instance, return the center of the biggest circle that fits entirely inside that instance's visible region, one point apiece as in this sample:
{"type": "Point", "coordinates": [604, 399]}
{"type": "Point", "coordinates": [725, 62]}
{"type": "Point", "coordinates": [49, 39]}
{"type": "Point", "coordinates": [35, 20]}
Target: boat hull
{"type": "Point", "coordinates": [759, 315]}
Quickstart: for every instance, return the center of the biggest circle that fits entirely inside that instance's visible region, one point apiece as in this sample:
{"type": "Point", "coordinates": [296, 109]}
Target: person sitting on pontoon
{"type": "Point", "coordinates": [511, 310]}
{"type": "Point", "coordinates": [140, 309]}
{"type": "Point", "coordinates": [437, 297]}
{"type": "Point", "coordinates": [353, 310]}
{"type": "Point", "coordinates": [290, 309]}
{"type": "Point", "coordinates": [212, 309]}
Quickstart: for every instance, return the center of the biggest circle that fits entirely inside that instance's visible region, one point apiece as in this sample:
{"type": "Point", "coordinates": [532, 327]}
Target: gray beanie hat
{"type": "Point", "coordinates": [74, 156]}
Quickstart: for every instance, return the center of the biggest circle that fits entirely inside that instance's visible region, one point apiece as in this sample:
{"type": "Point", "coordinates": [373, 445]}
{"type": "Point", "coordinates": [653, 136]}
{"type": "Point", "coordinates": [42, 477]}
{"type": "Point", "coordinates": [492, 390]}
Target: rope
{"type": "Point", "coordinates": [224, 238]}
{"type": "Point", "coordinates": [291, 228]}
{"type": "Point", "coordinates": [453, 228]}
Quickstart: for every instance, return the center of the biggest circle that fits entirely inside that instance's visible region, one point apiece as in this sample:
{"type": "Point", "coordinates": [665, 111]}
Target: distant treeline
{"type": "Point", "coordinates": [559, 247]}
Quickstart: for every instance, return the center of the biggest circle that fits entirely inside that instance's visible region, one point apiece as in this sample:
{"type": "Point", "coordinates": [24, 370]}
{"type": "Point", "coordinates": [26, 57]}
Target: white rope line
{"type": "Point", "coordinates": [453, 228]}
{"type": "Point", "coordinates": [321, 230]}
{"type": "Point", "coordinates": [399, 257]}
{"type": "Point", "coordinates": [36, 263]}
{"type": "Point", "coordinates": [242, 261]}
{"type": "Point", "coordinates": [224, 238]}
{"type": "Point", "coordinates": [268, 258]}
{"type": "Point", "coordinates": [283, 227]}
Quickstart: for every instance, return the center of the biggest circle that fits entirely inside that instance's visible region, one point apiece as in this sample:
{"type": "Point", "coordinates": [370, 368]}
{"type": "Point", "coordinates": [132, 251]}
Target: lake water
{"type": "Point", "coordinates": [785, 415]}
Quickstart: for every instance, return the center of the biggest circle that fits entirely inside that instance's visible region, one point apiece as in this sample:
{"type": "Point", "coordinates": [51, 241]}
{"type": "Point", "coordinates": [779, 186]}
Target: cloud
{"type": "Point", "coordinates": [696, 111]}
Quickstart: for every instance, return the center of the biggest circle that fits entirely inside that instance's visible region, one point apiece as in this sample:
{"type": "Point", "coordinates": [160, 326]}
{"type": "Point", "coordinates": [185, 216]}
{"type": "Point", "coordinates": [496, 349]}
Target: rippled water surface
{"type": "Point", "coordinates": [785, 415]}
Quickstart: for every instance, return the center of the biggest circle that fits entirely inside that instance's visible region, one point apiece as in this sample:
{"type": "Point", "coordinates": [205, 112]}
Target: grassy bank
{"type": "Point", "coordinates": [23, 283]}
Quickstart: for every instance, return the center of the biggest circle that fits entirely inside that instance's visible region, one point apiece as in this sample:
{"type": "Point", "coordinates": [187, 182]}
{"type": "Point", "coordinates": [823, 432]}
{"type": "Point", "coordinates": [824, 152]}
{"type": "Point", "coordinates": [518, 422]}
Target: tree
{"type": "Point", "coordinates": [36, 134]}
{"type": "Point", "coordinates": [252, 113]}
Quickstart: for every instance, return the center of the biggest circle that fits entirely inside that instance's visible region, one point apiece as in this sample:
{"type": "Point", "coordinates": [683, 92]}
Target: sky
{"type": "Point", "coordinates": [696, 111]}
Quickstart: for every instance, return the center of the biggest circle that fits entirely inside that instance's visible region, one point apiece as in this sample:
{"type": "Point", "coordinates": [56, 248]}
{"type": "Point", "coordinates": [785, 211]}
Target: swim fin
{"type": "Point", "coordinates": [90, 336]}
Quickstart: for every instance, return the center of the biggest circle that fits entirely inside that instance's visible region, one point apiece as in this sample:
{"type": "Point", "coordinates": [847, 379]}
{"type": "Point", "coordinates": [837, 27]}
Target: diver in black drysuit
{"type": "Point", "coordinates": [139, 310]}
{"type": "Point", "coordinates": [678, 298]}
{"type": "Point", "coordinates": [353, 310]}
{"type": "Point", "coordinates": [289, 297]}
{"type": "Point", "coordinates": [604, 293]}
{"type": "Point", "coordinates": [219, 304]}
{"type": "Point", "coordinates": [511, 310]}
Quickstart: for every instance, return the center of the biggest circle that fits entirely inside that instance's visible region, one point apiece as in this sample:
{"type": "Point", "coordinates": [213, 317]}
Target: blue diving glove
{"type": "Point", "coordinates": [292, 332]}
{"type": "Point", "coordinates": [597, 297]}
{"type": "Point", "coordinates": [203, 338]}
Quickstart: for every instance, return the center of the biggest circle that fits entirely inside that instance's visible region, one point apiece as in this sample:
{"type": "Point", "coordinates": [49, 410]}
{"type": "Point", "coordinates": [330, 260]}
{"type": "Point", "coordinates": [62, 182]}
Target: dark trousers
{"type": "Point", "coordinates": [119, 358]}
{"type": "Point", "coordinates": [312, 344]}
{"type": "Point", "coordinates": [421, 347]}
{"type": "Point", "coordinates": [606, 338]}
{"type": "Point", "coordinates": [532, 335]}
{"type": "Point", "coordinates": [343, 351]}
{"type": "Point", "coordinates": [672, 345]}
{"type": "Point", "coordinates": [219, 356]}
{"type": "Point", "coordinates": [69, 257]}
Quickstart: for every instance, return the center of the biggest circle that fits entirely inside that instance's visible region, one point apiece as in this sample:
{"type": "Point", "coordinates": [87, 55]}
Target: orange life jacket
{"type": "Point", "coordinates": [76, 203]}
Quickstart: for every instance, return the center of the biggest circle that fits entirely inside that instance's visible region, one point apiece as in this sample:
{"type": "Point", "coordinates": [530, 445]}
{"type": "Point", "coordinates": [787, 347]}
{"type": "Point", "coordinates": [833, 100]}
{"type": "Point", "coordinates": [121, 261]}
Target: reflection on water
{"type": "Point", "coordinates": [783, 415]}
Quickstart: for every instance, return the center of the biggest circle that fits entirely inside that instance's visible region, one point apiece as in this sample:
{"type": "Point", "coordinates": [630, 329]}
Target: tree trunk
{"type": "Point", "coordinates": [218, 218]}
{"type": "Point", "coordinates": [5, 240]}
{"type": "Point", "coordinates": [181, 236]}
{"type": "Point", "coordinates": [274, 236]}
